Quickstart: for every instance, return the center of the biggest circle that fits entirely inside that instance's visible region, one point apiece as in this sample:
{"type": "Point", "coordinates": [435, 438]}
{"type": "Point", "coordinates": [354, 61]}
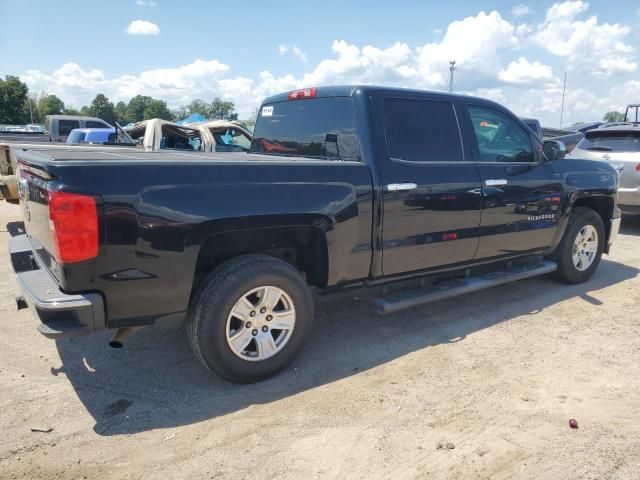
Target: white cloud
{"type": "Point", "coordinates": [201, 78]}
{"type": "Point", "coordinates": [474, 43]}
{"type": "Point", "coordinates": [598, 48]}
{"type": "Point", "coordinates": [523, 72]}
{"type": "Point", "coordinates": [493, 59]}
{"type": "Point", "coordinates": [283, 49]}
{"type": "Point", "coordinates": [520, 10]}
{"type": "Point", "coordinates": [142, 27]}
{"type": "Point", "coordinates": [146, 3]}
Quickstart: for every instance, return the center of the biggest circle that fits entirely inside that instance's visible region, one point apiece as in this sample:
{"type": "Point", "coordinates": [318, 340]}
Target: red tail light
{"type": "Point", "coordinates": [638, 167]}
{"type": "Point", "coordinates": [74, 226]}
{"type": "Point", "coordinates": [302, 94]}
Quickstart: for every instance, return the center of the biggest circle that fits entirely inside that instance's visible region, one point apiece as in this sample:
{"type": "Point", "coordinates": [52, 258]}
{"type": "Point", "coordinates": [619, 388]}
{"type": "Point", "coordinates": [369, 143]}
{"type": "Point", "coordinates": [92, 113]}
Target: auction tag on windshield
{"type": "Point", "coordinates": [267, 111]}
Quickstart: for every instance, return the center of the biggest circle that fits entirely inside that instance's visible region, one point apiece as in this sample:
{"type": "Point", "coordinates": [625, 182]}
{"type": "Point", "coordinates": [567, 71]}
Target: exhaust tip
{"type": "Point", "coordinates": [115, 344]}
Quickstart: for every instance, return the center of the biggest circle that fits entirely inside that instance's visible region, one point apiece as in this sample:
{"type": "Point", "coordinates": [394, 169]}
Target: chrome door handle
{"type": "Point", "coordinates": [495, 182]}
{"type": "Point", "coordinates": [401, 187]}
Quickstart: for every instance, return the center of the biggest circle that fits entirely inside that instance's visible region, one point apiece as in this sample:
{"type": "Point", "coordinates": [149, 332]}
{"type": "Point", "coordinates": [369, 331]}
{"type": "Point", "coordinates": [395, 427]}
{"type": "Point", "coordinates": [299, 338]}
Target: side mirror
{"type": "Point", "coordinates": [554, 150]}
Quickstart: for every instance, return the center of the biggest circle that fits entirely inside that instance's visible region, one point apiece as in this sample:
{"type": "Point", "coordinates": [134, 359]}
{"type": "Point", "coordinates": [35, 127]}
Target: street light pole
{"type": "Point", "coordinates": [452, 68]}
{"type": "Point", "coordinates": [564, 90]}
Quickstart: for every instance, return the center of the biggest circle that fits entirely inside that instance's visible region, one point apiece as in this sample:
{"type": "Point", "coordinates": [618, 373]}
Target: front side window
{"type": "Point", "coordinates": [499, 137]}
{"type": "Point", "coordinates": [65, 126]}
{"type": "Point", "coordinates": [422, 130]}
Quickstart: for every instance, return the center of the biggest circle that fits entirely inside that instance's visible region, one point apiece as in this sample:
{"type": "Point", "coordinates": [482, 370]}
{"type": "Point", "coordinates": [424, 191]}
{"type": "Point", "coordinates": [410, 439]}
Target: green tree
{"type": "Point", "coordinates": [179, 113]}
{"type": "Point", "coordinates": [122, 113]}
{"type": "Point", "coordinates": [71, 111]}
{"type": "Point", "coordinates": [614, 116]}
{"type": "Point", "coordinates": [198, 106]}
{"type": "Point", "coordinates": [13, 99]}
{"type": "Point", "coordinates": [50, 105]}
{"type": "Point", "coordinates": [86, 111]}
{"type": "Point", "coordinates": [157, 109]}
{"type": "Point", "coordinates": [221, 109]}
{"type": "Point", "coordinates": [102, 108]}
{"type": "Point", "coordinates": [136, 107]}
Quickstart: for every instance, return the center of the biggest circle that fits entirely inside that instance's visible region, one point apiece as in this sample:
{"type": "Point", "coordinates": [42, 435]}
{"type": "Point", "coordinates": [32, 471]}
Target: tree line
{"type": "Point", "coordinates": [20, 106]}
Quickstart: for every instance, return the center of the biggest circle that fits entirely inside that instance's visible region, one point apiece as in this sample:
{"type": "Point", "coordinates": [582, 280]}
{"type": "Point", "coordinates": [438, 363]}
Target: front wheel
{"type": "Point", "coordinates": [580, 250]}
{"type": "Point", "coordinates": [250, 318]}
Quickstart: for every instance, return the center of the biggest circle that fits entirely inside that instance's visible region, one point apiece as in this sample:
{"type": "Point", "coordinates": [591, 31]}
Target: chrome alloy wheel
{"type": "Point", "coordinates": [260, 323]}
{"type": "Point", "coordinates": [585, 247]}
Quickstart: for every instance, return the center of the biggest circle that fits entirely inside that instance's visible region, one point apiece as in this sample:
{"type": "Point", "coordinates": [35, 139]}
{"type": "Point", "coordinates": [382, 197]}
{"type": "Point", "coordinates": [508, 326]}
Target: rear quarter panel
{"type": "Point", "coordinates": [158, 214]}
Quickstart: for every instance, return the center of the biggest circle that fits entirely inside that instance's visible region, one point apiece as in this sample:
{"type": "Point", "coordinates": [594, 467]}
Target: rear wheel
{"type": "Point", "coordinates": [580, 250]}
{"type": "Point", "coordinates": [250, 318]}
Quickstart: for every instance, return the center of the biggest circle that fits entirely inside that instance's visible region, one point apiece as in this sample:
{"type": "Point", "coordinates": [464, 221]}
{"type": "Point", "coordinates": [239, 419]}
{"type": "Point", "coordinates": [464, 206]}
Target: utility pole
{"type": "Point", "coordinates": [30, 110]}
{"type": "Point", "coordinates": [452, 68]}
{"type": "Point", "coordinates": [564, 89]}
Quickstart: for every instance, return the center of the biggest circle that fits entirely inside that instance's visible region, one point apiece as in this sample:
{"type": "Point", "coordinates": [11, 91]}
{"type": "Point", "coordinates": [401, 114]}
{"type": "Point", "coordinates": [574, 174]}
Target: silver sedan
{"type": "Point", "coordinates": [618, 145]}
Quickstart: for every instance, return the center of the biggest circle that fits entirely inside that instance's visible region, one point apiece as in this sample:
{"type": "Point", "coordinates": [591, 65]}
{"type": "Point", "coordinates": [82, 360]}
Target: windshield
{"type": "Point", "coordinates": [611, 141]}
{"type": "Point", "coordinates": [319, 128]}
{"type": "Point", "coordinates": [76, 136]}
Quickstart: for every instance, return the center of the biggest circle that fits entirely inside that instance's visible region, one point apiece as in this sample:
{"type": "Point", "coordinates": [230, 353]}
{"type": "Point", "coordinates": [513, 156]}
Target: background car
{"type": "Point", "coordinates": [91, 135]}
{"type": "Point", "coordinates": [619, 145]}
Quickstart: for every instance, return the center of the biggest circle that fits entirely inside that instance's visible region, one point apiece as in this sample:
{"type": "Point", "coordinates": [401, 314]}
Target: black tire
{"type": "Point", "coordinates": [216, 296]}
{"type": "Point", "coordinates": [567, 271]}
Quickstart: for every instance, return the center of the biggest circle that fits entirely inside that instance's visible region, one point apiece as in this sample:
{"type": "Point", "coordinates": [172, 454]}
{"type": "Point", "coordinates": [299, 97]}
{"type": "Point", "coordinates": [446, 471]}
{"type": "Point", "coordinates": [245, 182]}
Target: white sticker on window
{"type": "Point", "coordinates": [267, 111]}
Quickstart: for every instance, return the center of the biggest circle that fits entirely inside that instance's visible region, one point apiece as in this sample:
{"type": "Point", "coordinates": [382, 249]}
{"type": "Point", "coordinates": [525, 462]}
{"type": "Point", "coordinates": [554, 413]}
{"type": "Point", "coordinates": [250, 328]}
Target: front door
{"type": "Point", "coordinates": [432, 196]}
{"type": "Point", "coordinates": [521, 193]}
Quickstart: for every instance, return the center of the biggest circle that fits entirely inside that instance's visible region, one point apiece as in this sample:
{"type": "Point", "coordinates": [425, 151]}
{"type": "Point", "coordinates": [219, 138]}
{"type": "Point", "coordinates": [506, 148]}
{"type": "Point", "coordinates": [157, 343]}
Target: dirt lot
{"type": "Point", "coordinates": [496, 374]}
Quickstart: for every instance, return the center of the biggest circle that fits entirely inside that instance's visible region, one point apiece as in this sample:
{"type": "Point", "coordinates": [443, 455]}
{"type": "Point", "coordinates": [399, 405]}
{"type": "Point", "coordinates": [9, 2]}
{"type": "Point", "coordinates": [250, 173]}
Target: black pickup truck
{"type": "Point", "coordinates": [417, 195]}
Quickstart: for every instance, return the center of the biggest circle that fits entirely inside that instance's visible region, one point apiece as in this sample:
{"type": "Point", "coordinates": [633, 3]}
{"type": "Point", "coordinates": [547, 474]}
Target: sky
{"type": "Point", "coordinates": [514, 52]}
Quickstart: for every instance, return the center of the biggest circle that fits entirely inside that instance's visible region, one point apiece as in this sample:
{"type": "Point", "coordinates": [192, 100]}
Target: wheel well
{"type": "Point", "coordinates": [302, 247]}
{"type": "Point", "coordinates": [602, 205]}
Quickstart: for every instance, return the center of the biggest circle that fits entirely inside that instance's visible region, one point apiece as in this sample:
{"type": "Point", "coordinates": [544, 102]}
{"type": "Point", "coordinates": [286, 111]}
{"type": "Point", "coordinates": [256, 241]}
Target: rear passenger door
{"type": "Point", "coordinates": [521, 192]}
{"type": "Point", "coordinates": [432, 196]}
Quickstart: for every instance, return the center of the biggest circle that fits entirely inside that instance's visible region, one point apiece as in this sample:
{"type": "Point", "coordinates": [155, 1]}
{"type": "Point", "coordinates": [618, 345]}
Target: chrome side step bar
{"type": "Point", "coordinates": [401, 300]}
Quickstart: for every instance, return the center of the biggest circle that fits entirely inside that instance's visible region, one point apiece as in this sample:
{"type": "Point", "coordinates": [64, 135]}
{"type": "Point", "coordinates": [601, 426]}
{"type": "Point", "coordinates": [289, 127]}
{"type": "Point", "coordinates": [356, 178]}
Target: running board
{"type": "Point", "coordinates": [412, 298]}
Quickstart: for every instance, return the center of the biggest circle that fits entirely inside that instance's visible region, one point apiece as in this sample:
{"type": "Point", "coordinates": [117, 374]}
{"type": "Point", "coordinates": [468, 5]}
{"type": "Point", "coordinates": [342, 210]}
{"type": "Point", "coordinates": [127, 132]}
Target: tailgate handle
{"type": "Point", "coordinates": [401, 187]}
{"type": "Point", "coordinates": [495, 182]}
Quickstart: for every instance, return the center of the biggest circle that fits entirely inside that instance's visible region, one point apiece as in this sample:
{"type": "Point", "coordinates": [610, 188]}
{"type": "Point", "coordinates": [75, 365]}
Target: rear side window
{"type": "Point", "coordinates": [611, 142]}
{"type": "Point", "coordinates": [422, 130]}
{"type": "Point", "coordinates": [65, 126]}
{"type": "Point", "coordinates": [319, 128]}
{"type": "Point", "coordinates": [93, 124]}
{"type": "Point", "coordinates": [499, 137]}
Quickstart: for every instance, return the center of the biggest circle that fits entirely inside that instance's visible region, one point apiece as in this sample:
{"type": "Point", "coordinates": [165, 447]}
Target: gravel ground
{"type": "Point", "coordinates": [481, 386]}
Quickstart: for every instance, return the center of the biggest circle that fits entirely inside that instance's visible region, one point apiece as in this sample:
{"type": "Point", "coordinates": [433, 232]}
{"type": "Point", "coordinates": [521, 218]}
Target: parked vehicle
{"type": "Point", "coordinates": [584, 127]}
{"type": "Point", "coordinates": [427, 194]}
{"type": "Point", "coordinates": [9, 143]}
{"type": "Point", "coordinates": [91, 135]}
{"type": "Point", "coordinates": [60, 126]}
{"type": "Point", "coordinates": [618, 145]}
{"type": "Point", "coordinates": [632, 112]}
{"type": "Point", "coordinates": [225, 136]}
{"type": "Point", "coordinates": [209, 136]}
{"type": "Point", "coordinates": [569, 138]}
